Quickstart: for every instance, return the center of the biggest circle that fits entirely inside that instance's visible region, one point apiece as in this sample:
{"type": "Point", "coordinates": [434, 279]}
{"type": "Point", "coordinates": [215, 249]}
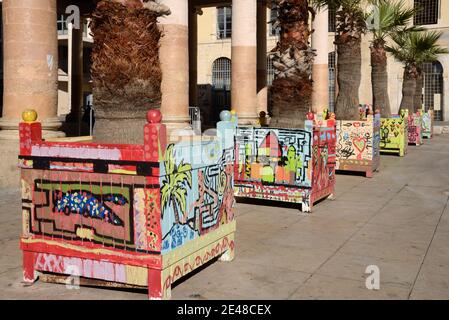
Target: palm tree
{"type": "Point", "coordinates": [413, 48]}
{"type": "Point", "coordinates": [389, 17]}
{"type": "Point", "coordinates": [291, 92]}
{"type": "Point", "coordinates": [125, 67]}
{"type": "Point", "coordinates": [351, 25]}
{"type": "Point", "coordinates": [174, 186]}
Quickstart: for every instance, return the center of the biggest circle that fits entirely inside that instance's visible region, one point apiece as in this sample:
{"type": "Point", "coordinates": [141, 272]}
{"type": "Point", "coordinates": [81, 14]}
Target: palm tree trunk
{"type": "Point", "coordinates": [408, 89]}
{"type": "Point", "coordinates": [418, 100]}
{"type": "Point", "coordinates": [291, 92]}
{"type": "Point", "coordinates": [379, 79]}
{"type": "Point", "coordinates": [175, 210]}
{"type": "Point", "coordinates": [125, 69]}
{"type": "Point", "coordinates": [349, 65]}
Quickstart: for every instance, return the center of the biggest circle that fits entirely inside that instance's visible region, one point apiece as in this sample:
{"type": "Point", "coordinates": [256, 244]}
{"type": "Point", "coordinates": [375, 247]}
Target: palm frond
{"type": "Point", "coordinates": [169, 161]}
{"type": "Point", "coordinates": [390, 16]}
{"type": "Point", "coordinates": [166, 194]}
{"type": "Point", "coordinates": [416, 47]}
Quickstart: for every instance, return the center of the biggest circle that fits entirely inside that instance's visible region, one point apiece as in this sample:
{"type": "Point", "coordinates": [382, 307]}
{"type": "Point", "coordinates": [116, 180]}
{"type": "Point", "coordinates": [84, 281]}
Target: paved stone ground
{"type": "Point", "coordinates": [399, 221]}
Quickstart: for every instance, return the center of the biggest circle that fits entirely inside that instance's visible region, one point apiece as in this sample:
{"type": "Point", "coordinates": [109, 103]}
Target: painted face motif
{"type": "Point", "coordinates": [291, 153]}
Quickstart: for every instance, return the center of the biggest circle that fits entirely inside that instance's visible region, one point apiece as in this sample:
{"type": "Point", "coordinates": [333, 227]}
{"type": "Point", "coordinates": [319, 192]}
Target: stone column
{"type": "Point", "coordinates": [262, 90]}
{"type": "Point", "coordinates": [30, 65]}
{"type": "Point", "coordinates": [320, 76]}
{"type": "Point", "coordinates": [174, 57]}
{"type": "Point", "coordinates": [244, 60]}
{"type": "Point", "coordinates": [193, 55]}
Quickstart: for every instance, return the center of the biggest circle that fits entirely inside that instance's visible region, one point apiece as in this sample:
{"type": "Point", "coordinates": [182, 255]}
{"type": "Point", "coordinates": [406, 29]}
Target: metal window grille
{"type": "Point", "coordinates": [427, 12]}
{"type": "Point", "coordinates": [63, 29]}
{"type": "Point", "coordinates": [270, 71]}
{"type": "Point", "coordinates": [195, 119]}
{"type": "Point", "coordinates": [434, 88]}
{"type": "Point", "coordinates": [274, 32]}
{"type": "Point", "coordinates": [221, 74]}
{"type": "Point", "coordinates": [332, 80]}
{"type": "Point", "coordinates": [224, 22]}
{"type": "Point", "coordinates": [332, 19]}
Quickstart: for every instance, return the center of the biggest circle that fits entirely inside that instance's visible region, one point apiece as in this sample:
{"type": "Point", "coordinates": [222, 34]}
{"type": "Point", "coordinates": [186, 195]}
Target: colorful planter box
{"type": "Point", "coordinates": [358, 145]}
{"type": "Point", "coordinates": [394, 134]}
{"type": "Point", "coordinates": [427, 124]}
{"type": "Point", "coordinates": [131, 215]}
{"type": "Point", "coordinates": [415, 124]}
{"type": "Point", "coordinates": [289, 165]}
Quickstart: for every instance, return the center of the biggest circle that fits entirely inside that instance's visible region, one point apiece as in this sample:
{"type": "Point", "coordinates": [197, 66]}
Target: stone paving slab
{"type": "Point", "coordinates": [398, 220]}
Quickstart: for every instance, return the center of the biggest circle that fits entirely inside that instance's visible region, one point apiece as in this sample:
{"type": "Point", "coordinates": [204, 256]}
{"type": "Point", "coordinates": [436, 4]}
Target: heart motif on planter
{"type": "Point", "coordinates": [359, 144]}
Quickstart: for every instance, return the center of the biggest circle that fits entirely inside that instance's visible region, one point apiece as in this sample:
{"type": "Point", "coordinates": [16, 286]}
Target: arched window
{"type": "Point", "coordinates": [221, 74]}
{"type": "Point", "coordinates": [433, 88]}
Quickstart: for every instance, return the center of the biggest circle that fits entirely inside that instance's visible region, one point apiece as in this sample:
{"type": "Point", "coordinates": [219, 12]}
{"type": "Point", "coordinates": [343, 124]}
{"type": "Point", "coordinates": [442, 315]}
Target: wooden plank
{"type": "Point", "coordinates": [62, 279]}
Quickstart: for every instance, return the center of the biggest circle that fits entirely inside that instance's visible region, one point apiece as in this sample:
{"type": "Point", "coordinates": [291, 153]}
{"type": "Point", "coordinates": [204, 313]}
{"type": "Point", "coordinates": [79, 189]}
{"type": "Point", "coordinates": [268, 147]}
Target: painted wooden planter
{"type": "Point", "coordinates": [394, 134]}
{"type": "Point", "coordinates": [427, 124]}
{"type": "Point", "coordinates": [289, 165]}
{"type": "Point", "coordinates": [358, 145]}
{"type": "Point", "coordinates": [415, 131]}
{"type": "Point", "coordinates": [126, 215]}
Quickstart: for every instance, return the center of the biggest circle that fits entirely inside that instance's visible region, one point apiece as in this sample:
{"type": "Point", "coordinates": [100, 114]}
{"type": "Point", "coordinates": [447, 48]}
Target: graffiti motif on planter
{"type": "Point", "coordinates": [89, 205]}
{"type": "Point", "coordinates": [427, 126]}
{"type": "Point", "coordinates": [324, 158]}
{"type": "Point", "coordinates": [274, 156]}
{"type": "Point", "coordinates": [147, 218]}
{"type": "Point", "coordinates": [414, 129]}
{"type": "Point", "coordinates": [391, 131]}
{"type": "Point", "coordinates": [426, 123]}
{"type": "Point", "coordinates": [290, 165]}
{"type": "Point", "coordinates": [195, 200]}
{"type": "Point", "coordinates": [95, 212]}
{"type": "Point", "coordinates": [394, 134]}
{"type": "Point", "coordinates": [355, 140]}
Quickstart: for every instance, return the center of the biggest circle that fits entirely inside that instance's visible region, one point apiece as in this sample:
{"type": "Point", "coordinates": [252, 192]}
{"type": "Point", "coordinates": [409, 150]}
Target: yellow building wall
{"type": "Point", "coordinates": [395, 68]}
{"type": "Point", "coordinates": [210, 48]}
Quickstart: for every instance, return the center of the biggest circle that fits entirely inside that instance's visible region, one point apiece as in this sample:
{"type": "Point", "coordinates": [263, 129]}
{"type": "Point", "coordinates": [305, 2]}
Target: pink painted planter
{"type": "Point", "coordinates": [131, 215]}
{"type": "Point", "coordinates": [415, 129]}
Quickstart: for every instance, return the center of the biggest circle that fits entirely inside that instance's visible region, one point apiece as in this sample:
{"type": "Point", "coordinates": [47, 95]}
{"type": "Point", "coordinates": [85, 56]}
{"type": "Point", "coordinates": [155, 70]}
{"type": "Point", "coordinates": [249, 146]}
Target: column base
{"type": "Point", "coordinates": [178, 126]}
{"type": "Point", "coordinates": [247, 119]}
{"type": "Point", "coordinates": [10, 129]}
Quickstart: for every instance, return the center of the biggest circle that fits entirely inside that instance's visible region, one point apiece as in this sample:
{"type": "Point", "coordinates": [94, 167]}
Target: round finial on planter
{"type": "Point", "coordinates": [154, 116]}
{"type": "Point", "coordinates": [29, 115]}
{"type": "Point", "coordinates": [225, 115]}
{"type": "Point", "coordinates": [310, 116]}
